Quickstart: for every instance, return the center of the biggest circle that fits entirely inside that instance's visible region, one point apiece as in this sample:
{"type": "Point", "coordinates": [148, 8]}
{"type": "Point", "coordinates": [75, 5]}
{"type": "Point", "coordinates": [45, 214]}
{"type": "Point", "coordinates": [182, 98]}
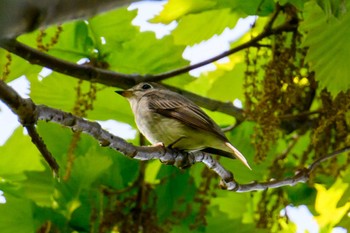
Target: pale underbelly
{"type": "Point", "coordinates": [172, 132]}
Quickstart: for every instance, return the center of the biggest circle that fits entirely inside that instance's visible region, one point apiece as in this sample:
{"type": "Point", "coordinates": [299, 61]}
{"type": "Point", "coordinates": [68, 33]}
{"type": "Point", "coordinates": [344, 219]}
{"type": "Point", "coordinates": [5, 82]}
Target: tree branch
{"type": "Point", "coordinates": [253, 42]}
{"type": "Point", "coordinates": [83, 72]}
{"type": "Point", "coordinates": [21, 16]}
{"type": "Point", "coordinates": [40, 144]}
{"type": "Point", "coordinates": [109, 78]}
{"type": "Point", "coordinates": [124, 81]}
{"type": "Point", "coordinates": [300, 176]}
{"type": "Point", "coordinates": [26, 111]}
{"type": "Point", "coordinates": [179, 159]}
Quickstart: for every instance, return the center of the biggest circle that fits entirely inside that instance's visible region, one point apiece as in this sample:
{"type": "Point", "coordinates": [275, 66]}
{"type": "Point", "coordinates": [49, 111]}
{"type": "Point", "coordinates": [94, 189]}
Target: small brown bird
{"type": "Point", "coordinates": [163, 116]}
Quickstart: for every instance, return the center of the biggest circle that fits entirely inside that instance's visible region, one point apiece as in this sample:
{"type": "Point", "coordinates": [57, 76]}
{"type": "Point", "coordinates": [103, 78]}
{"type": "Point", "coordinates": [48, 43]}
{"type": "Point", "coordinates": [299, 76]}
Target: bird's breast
{"type": "Point", "coordinates": [157, 128]}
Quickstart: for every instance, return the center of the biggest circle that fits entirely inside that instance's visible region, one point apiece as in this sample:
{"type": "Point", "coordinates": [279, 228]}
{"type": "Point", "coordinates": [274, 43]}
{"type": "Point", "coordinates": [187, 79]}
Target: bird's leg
{"type": "Point", "coordinates": [161, 144]}
{"type": "Point", "coordinates": [181, 159]}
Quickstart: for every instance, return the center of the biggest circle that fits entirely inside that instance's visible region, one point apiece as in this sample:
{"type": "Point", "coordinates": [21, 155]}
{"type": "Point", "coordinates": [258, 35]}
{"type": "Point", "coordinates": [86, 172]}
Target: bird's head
{"type": "Point", "coordinates": [138, 90]}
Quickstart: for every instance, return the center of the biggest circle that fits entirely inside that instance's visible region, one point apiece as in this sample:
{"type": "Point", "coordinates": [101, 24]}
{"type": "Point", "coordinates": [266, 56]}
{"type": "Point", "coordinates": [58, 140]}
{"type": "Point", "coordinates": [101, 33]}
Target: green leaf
{"type": "Point", "coordinates": [333, 7]}
{"type": "Point", "coordinates": [16, 216]}
{"type": "Point", "coordinates": [115, 27]}
{"type": "Point", "coordinates": [175, 188]}
{"type": "Point", "coordinates": [19, 155]}
{"type": "Point", "coordinates": [327, 39]}
{"type": "Point", "coordinates": [226, 202]}
{"type": "Point", "coordinates": [56, 90]}
{"type": "Point", "coordinates": [220, 222]}
{"type": "Point", "coordinates": [39, 188]}
{"type": "Point", "coordinates": [142, 55]}
{"type": "Point", "coordinates": [50, 133]}
{"type": "Point", "coordinates": [109, 105]}
{"type": "Point", "coordinates": [254, 7]}
{"type": "Point", "coordinates": [228, 85]}
{"type": "Point", "coordinates": [297, 3]}
{"type": "Point", "coordinates": [195, 28]}
{"type": "Point", "coordinates": [174, 9]}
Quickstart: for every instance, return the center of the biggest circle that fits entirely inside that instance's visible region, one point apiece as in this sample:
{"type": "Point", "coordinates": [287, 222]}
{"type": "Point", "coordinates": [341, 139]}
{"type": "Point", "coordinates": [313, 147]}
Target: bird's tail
{"type": "Point", "coordinates": [238, 154]}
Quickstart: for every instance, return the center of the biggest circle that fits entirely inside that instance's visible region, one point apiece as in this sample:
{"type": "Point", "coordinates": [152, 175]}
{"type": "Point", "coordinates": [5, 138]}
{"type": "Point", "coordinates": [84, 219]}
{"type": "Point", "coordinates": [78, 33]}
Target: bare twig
{"type": "Point", "coordinates": [253, 42]}
{"type": "Point", "coordinates": [109, 78]}
{"type": "Point", "coordinates": [300, 176]}
{"type": "Point", "coordinates": [315, 164]}
{"type": "Point", "coordinates": [39, 143]}
{"type": "Point", "coordinates": [25, 109]}
{"type": "Point", "coordinates": [298, 115]}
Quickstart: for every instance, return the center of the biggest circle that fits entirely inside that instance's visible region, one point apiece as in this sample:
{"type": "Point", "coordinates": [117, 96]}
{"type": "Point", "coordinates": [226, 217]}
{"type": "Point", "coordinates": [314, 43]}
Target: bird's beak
{"type": "Point", "coordinates": [126, 93]}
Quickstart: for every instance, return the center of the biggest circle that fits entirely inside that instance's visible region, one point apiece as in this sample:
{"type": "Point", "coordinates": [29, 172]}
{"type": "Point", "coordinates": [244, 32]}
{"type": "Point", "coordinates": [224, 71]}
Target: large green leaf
{"type": "Point", "coordinates": [142, 55]}
{"type": "Point", "coordinates": [333, 7]}
{"type": "Point", "coordinates": [220, 222]}
{"type": "Point", "coordinates": [88, 168]}
{"type": "Point", "coordinates": [228, 86]}
{"type": "Point", "coordinates": [195, 28]}
{"type": "Point", "coordinates": [108, 105]}
{"type": "Point", "coordinates": [39, 188]}
{"type": "Point", "coordinates": [19, 155]}
{"type": "Point", "coordinates": [175, 189]}
{"type": "Point", "coordinates": [111, 106]}
{"type": "Point", "coordinates": [175, 9]}
{"type": "Point", "coordinates": [251, 7]}
{"type": "Point", "coordinates": [114, 27]}
{"type": "Point", "coordinates": [16, 216]}
{"type": "Point", "coordinates": [327, 39]}
{"type": "Point", "coordinates": [56, 90]}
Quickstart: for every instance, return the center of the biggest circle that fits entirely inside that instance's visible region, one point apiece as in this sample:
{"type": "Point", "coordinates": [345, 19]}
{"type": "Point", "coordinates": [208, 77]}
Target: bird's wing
{"type": "Point", "coordinates": [175, 106]}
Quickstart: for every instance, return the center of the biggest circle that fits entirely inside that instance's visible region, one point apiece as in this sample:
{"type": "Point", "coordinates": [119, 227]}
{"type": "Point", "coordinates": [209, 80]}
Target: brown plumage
{"type": "Point", "coordinates": [168, 117]}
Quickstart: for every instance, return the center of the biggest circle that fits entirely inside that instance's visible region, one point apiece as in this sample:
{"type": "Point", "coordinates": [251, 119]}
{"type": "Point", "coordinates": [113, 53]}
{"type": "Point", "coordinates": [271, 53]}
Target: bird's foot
{"type": "Point", "coordinates": [158, 144]}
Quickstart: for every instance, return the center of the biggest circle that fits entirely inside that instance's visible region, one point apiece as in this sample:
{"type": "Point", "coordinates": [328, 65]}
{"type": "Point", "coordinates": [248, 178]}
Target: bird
{"type": "Point", "coordinates": [168, 118]}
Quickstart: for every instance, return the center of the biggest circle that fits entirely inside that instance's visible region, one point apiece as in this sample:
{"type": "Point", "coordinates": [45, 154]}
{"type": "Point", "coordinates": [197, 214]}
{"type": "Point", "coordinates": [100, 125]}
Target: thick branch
{"type": "Point", "coordinates": [21, 16]}
{"type": "Point", "coordinates": [83, 72]}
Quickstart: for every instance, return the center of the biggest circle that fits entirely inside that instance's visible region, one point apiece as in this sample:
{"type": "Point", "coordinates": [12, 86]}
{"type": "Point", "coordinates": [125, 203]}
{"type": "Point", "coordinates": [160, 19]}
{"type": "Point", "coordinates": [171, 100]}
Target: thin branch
{"type": "Point", "coordinates": [315, 164]}
{"type": "Point", "coordinates": [25, 109]}
{"type": "Point", "coordinates": [298, 115]}
{"type": "Point", "coordinates": [39, 143]}
{"type": "Point", "coordinates": [300, 176]}
{"type": "Point", "coordinates": [268, 31]}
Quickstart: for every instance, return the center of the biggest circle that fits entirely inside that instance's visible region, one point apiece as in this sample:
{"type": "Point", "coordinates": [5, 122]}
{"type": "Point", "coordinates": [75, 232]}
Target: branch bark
{"type": "Point", "coordinates": [21, 16]}
{"type": "Point", "coordinates": [27, 111]}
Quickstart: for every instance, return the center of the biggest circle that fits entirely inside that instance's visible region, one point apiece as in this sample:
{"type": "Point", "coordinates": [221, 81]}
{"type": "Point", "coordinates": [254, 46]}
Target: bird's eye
{"type": "Point", "coordinates": [146, 86]}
